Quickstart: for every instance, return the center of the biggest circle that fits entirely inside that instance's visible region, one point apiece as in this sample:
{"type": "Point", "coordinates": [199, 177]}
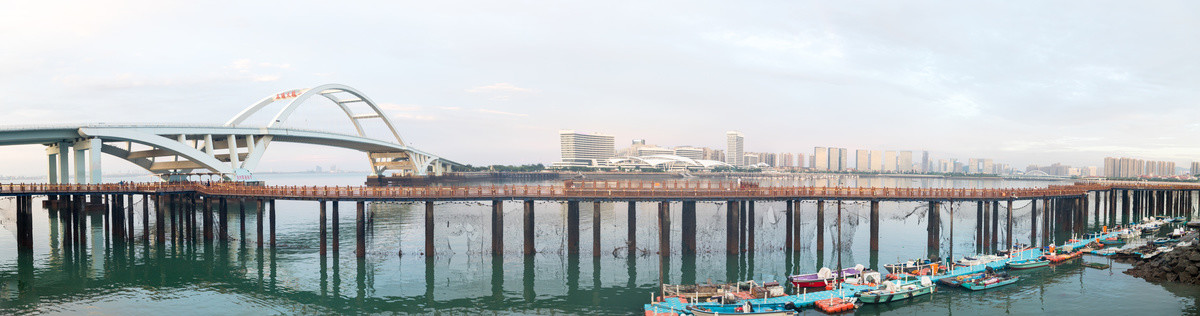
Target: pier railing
{"type": "Point", "coordinates": [584, 189]}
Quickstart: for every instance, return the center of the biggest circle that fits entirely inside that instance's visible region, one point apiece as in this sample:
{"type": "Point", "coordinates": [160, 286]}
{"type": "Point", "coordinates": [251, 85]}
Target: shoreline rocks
{"type": "Point", "coordinates": [1181, 264]}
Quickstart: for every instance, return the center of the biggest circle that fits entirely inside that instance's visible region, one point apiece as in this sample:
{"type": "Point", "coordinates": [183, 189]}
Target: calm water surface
{"type": "Point", "coordinates": [462, 278]}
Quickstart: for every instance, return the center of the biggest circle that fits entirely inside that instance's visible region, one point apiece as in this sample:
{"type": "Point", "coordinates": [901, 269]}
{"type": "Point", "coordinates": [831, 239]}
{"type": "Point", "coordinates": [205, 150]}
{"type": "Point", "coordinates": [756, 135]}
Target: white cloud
{"type": "Point", "coordinates": [502, 113]}
{"type": "Point", "coordinates": [500, 91]}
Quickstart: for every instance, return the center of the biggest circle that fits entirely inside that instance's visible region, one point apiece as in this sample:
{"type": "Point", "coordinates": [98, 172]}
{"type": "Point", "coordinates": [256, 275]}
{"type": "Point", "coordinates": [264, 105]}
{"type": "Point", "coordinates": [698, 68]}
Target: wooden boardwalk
{"type": "Point", "coordinates": [580, 190]}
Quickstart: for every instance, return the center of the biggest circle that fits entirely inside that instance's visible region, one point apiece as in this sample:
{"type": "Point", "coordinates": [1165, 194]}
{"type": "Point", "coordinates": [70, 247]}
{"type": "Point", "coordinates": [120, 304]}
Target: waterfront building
{"type": "Point", "coordinates": [876, 161]}
{"type": "Point", "coordinates": [904, 161]}
{"type": "Point", "coordinates": [800, 161]}
{"type": "Point", "coordinates": [820, 159]}
{"type": "Point", "coordinates": [843, 161]}
{"type": "Point", "coordinates": [926, 164]}
{"type": "Point", "coordinates": [654, 150]}
{"type": "Point", "coordinates": [750, 160]}
{"type": "Point", "coordinates": [690, 152]}
{"type": "Point", "coordinates": [786, 160]}
{"type": "Point", "coordinates": [734, 141]}
{"type": "Point", "coordinates": [1195, 170]}
{"type": "Point", "coordinates": [889, 161]}
{"type": "Point", "coordinates": [584, 149]}
{"type": "Point", "coordinates": [862, 160]}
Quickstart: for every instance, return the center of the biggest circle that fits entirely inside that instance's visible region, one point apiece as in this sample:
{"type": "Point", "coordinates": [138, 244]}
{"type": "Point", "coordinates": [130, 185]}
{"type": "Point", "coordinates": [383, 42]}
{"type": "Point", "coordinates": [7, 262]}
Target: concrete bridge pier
{"type": "Point", "coordinates": [688, 227]}
{"type": "Point", "coordinates": [664, 228]}
{"type": "Point", "coordinates": [731, 226]}
{"type": "Point", "coordinates": [497, 227]}
{"type": "Point", "coordinates": [573, 227]}
{"type": "Point", "coordinates": [934, 227]}
{"type": "Point", "coordinates": [631, 227]}
{"type": "Point", "coordinates": [796, 220]}
{"type": "Point", "coordinates": [527, 228]}
{"type": "Point", "coordinates": [596, 229]}
{"type": "Point", "coordinates": [820, 226]}
{"type": "Point", "coordinates": [874, 230]}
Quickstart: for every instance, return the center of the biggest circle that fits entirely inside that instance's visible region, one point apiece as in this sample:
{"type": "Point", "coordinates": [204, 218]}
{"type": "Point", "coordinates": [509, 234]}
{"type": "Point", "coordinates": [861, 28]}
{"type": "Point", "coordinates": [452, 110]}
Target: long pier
{"type": "Point", "coordinates": [181, 210]}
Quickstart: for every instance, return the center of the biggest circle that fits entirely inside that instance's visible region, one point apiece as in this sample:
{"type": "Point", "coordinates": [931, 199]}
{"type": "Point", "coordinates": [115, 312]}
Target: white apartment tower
{"type": "Point", "coordinates": [733, 148]}
{"type": "Point", "coordinates": [582, 149]}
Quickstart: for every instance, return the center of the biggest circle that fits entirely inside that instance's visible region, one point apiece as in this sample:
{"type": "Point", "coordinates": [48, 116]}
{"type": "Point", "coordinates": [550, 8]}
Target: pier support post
{"type": "Point", "coordinates": [1046, 222]}
{"type": "Point", "coordinates": [731, 226]}
{"type": "Point", "coordinates": [117, 218]}
{"type": "Point", "coordinates": [573, 227]}
{"type": "Point", "coordinates": [664, 228]}
{"type": "Point", "coordinates": [994, 232]}
{"type": "Point", "coordinates": [596, 229]}
{"type": "Point", "coordinates": [25, 225]}
{"type": "Point", "coordinates": [979, 226]}
{"type": "Point", "coordinates": [688, 227]}
{"type": "Point", "coordinates": [874, 218]}
{"type": "Point", "coordinates": [242, 220]}
{"type": "Point", "coordinates": [497, 227]}
{"type": "Point", "coordinates": [223, 221]}
{"type": "Point", "coordinates": [750, 223]}
{"type": "Point", "coordinates": [271, 224]}
{"type": "Point", "coordinates": [934, 228]}
{"type": "Point", "coordinates": [1008, 222]}
{"type": "Point", "coordinates": [631, 227]}
{"type": "Point", "coordinates": [820, 226]}
{"type": "Point", "coordinates": [789, 228]}
{"type": "Point", "coordinates": [159, 226]}
{"type": "Point", "coordinates": [207, 219]}
{"type": "Point", "coordinates": [145, 218]}
{"type": "Point", "coordinates": [429, 251]}
{"type": "Point", "coordinates": [335, 232]}
{"type": "Point", "coordinates": [1124, 206]}
{"type": "Point", "coordinates": [360, 229]}
{"type": "Point", "coordinates": [527, 228]}
{"type": "Point", "coordinates": [321, 218]}
{"type": "Point", "coordinates": [258, 220]}
{"type": "Point", "coordinates": [796, 240]}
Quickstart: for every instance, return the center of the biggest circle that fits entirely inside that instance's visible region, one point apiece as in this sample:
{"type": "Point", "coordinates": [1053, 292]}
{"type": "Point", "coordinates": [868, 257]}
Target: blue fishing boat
{"type": "Point", "coordinates": [991, 282]}
{"type": "Point", "coordinates": [959, 280]}
{"type": "Point", "coordinates": [1029, 263]}
{"type": "Point", "coordinates": [741, 309]}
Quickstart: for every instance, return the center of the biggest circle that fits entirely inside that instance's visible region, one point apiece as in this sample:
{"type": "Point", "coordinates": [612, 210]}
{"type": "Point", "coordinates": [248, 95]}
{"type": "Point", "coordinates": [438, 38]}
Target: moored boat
{"type": "Point", "coordinates": [989, 282]}
{"type": "Point", "coordinates": [1056, 258]}
{"type": "Point", "coordinates": [1028, 264]}
{"type": "Point", "coordinates": [741, 309]}
{"type": "Point", "coordinates": [959, 280]}
{"type": "Point", "coordinates": [1194, 224]}
{"type": "Point", "coordinates": [915, 267]}
{"type": "Point", "coordinates": [1112, 241]}
{"type": "Point", "coordinates": [978, 260]}
{"type": "Point", "coordinates": [891, 292]}
{"type": "Point", "coordinates": [825, 276]}
{"type": "Point", "coordinates": [1164, 240]}
{"type": "Point", "coordinates": [1178, 232]}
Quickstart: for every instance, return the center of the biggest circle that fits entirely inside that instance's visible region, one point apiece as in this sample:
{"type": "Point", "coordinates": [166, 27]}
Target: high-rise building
{"type": "Point", "coordinates": [585, 150]}
{"type": "Point", "coordinates": [1195, 170]}
{"type": "Point", "coordinates": [876, 161]}
{"type": "Point", "coordinates": [689, 152]}
{"type": "Point", "coordinates": [862, 160]}
{"type": "Point", "coordinates": [926, 164]}
{"type": "Point", "coordinates": [820, 159]}
{"type": "Point", "coordinates": [904, 162]}
{"type": "Point", "coordinates": [733, 148]}
{"type": "Point", "coordinates": [654, 150]}
{"type": "Point", "coordinates": [843, 159]}
{"type": "Point", "coordinates": [800, 161]}
{"type": "Point", "coordinates": [750, 159]}
{"type": "Point", "coordinates": [786, 160]}
{"type": "Point", "coordinates": [889, 161]}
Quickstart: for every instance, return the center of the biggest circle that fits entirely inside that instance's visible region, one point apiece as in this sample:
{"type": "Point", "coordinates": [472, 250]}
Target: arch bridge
{"type": "Point", "coordinates": [232, 150]}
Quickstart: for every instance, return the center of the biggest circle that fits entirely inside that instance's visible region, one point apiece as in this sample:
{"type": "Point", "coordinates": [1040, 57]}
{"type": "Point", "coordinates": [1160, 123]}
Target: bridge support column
{"type": "Point", "coordinates": [429, 251]}
{"type": "Point", "coordinates": [207, 219]}
{"type": "Point", "coordinates": [573, 227]}
{"type": "Point", "coordinates": [731, 227]}
{"type": "Point", "coordinates": [527, 228]}
{"type": "Point", "coordinates": [750, 216]}
{"type": "Point", "coordinates": [321, 219]}
{"type": "Point", "coordinates": [335, 222]}
{"type": "Point", "coordinates": [631, 227]}
{"type": "Point", "coordinates": [995, 232]}
{"type": "Point", "coordinates": [52, 164]}
{"type": "Point", "coordinates": [688, 227]}
{"type": "Point", "coordinates": [1008, 222]}
{"type": "Point", "coordinates": [95, 174]}
{"type": "Point", "coordinates": [934, 228]}
{"type": "Point", "coordinates": [271, 224]}
{"type": "Point", "coordinates": [596, 229]}
{"type": "Point", "coordinates": [497, 227]}
{"type": "Point", "coordinates": [360, 229]}
{"type": "Point", "coordinates": [821, 226]}
{"type": "Point", "coordinates": [129, 216]}
{"type": "Point", "coordinates": [874, 219]}
{"type": "Point", "coordinates": [223, 218]}
{"type": "Point", "coordinates": [25, 224]}
{"type": "Point", "coordinates": [664, 228]}
{"type": "Point", "coordinates": [80, 149]}
{"type": "Point", "coordinates": [789, 228]}
{"type": "Point", "coordinates": [64, 170]}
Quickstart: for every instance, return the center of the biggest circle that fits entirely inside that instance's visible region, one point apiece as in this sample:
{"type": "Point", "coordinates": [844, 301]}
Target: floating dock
{"type": "Point", "coordinates": [677, 306]}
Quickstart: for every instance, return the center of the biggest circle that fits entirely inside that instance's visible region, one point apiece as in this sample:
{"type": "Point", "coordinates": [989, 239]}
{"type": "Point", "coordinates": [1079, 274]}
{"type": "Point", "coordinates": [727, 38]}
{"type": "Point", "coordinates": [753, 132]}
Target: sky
{"type": "Point", "coordinates": [491, 82]}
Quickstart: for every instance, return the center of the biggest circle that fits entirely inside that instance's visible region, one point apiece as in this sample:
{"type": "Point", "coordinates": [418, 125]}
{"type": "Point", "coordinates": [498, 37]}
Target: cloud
{"type": "Point", "coordinates": [414, 117]}
{"type": "Point", "coordinates": [501, 112]}
{"type": "Point", "coordinates": [500, 91]}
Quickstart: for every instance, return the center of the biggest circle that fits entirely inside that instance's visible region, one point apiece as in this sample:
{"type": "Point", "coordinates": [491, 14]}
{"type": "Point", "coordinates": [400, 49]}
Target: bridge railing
{"type": "Point", "coordinates": [574, 189]}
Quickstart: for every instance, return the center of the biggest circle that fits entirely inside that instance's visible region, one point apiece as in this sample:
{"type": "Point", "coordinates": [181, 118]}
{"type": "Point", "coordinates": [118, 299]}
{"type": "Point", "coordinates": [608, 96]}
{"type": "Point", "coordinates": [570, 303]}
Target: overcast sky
{"type": "Point", "coordinates": [491, 82]}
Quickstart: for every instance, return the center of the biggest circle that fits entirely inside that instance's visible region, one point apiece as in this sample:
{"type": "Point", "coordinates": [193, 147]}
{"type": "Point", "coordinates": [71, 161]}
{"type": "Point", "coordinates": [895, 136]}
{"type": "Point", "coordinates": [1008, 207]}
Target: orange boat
{"type": "Point", "coordinates": [1056, 258]}
{"type": "Point", "coordinates": [835, 305]}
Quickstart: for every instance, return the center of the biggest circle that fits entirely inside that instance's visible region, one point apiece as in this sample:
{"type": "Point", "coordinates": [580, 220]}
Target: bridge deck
{"type": "Point", "coordinates": [607, 190]}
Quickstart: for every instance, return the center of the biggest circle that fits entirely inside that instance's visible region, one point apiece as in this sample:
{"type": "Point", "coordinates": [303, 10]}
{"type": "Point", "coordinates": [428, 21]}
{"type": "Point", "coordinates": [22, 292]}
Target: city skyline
{"type": "Point", "coordinates": [795, 76]}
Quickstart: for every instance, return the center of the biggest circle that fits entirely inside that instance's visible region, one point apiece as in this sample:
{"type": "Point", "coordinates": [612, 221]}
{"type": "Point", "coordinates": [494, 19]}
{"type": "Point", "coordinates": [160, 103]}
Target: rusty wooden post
{"type": "Point", "coordinates": [223, 217]}
{"type": "Point", "coordinates": [874, 219]}
{"type": "Point", "coordinates": [360, 229]}
{"type": "Point", "coordinates": [731, 226]}
{"type": "Point", "coordinates": [631, 227]}
{"type": "Point", "coordinates": [497, 227]}
{"type": "Point", "coordinates": [271, 224]}
{"type": "Point", "coordinates": [664, 228]}
{"type": "Point", "coordinates": [572, 227]}
{"type": "Point", "coordinates": [159, 226]}
{"type": "Point", "coordinates": [750, 231]}
{"type": "Point", "coordinates": [24, 225]}
{"type": "Point", "coordinates": [796, 220]}
{"type": "Point", "coordinates": [429, 251]}
{"type": "Point", "coordinates": [789, 213]}
{"type": "Point", "coordinates": [1008, 234]}
{"type": "Point", "coordinates": [688, 227]}
{"type": "Point", "coordinates": [528, 228]}
{"type": "Point", "coordinates": [979, 228]}
{"type": "Point", "coordinates": [934, 228]}
{"type": "Point", "coordinates": [207, 219]}
{"type": "Point", "coordinates": [321, 218]}
{"type": "Point", "coordinates": [820, 225]}
{"type": "Point", "coordinates": [335, 222]}
{"type": "Point", "coordinates": [259, 221]}
{"type": "Point", "coordinates": [146, 218]}
{"type": "Point", "coordinates": [596, 229]}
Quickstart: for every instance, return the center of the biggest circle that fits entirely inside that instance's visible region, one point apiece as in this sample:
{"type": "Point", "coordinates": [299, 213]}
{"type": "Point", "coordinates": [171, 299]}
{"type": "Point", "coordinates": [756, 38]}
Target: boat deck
{"type": "Point", "coordinates": [676, 306]}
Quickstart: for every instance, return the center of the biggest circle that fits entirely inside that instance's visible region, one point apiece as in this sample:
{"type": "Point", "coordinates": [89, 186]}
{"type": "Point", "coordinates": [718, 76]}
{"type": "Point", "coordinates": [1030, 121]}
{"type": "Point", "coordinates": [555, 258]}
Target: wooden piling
{"type": "Point", "coordinates": [360, 229]}
{"type": "Point", "coordinates": [271, 224]}
{"type": "Point", "coordinates": [731, 227]}
{"type": "Point", "coordinates": [321, 219]}
{"type": "Point", "coordinates": [874, 219]}
{"type": "Point", "coordinates": [796, 240]}
{"type": "Point", "coordinates": [159, 226]}
{"type": "Point", "coordinates": [527, 228]}
{"type": "Point", "coordinates": [1033, 222]}
{"type": "Point", "coordinates": [750, 221]}
{"type": "Point", "coordinates": [820, 225]}
{"type": "Point", "coordinates": [664, 228]}
{"type": "Point", "coordinates": [934, 228]}
{"type": "Point", "coordinates": [24, 224]}
{"type": "Point", "coordinates": [429, 220]}
{"type": "Point", "coordinates": [631, 226]}
{"type": "Point", "coordinates": [223, 220]}
{"type": "Point", "coordinates": [259, 221]}
{"type": "Point", "coordinates": [596, 229]}
{"type": "Point", "coordinates": [1008, 223]}
{"type": "Point", "coordinates": [788, 229]}
{"type": "Point", "coordinates": [688, 227]}
{"type": "Point", "coordinates": [335, 222]}
{"type": "Point", "coordinates": [573, 227]}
